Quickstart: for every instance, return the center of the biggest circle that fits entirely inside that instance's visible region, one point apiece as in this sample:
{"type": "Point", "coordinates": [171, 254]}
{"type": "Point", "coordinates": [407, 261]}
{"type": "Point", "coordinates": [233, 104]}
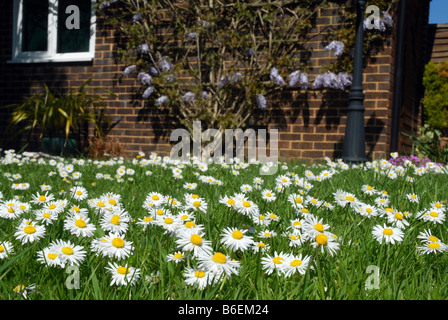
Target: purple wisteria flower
{"type": "Point", "coordinates": [294, 78]}
{"type": "Point", "coordinates": [192, 35]}
{"type": "Point", "coordinates": [337, 46]}
{"type": "Point", "coordinates": [236, 77]}
{"type": "Point", "coordinates": [129, 69]}
{"type": "Point", "coordinates": [261, 101]}
{"type": "Point", "coordinates": [148, 92]}
{"type": "Point", "coordinates": [223, 81]}
{"type": "Point", "coordinates": [153, 71]}
{"type": "Point", "coordinates": [143, 48]}
{"type": "Point", "coordinates": [276, 77]}
{"type": "Point", "coordinates": [137, 17]}
{"type": "Point", "coordinates": [165, 65]}
{"type": "Point", "coordinates": [161, 100]}
{"type": "Point", "coordinates": [205, 95]}
{"type": "Point", "coordinates": [304, 81]}
{"type": "Point", "coordinates": [188, 97]}
{"type": "Point", "coordinates": [145, 78]}
{"type": "Point", "coordinates": [330, 80]}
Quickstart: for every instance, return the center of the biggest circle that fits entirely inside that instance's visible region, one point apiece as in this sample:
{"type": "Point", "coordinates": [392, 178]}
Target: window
{"type": "Point", "coordinates": [53, 30]}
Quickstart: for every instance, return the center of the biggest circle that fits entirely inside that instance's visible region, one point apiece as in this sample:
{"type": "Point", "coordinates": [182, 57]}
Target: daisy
{"type": "Point", "coordinates": [326, 241]}
{"type": "Point", "coordinates": [398, 220]}
{"type": "Point", "coordinates": [78, 193]}
{"type": "Point", "coordinates": [266, 234]}
{"type": "Point", "coordinates": [123, 275]}
{"type": "Point", "coordinates": [235, 239]}
{"type": "Point", "coordinates": [260, 246]}
{"type": "Point", "coordinates": [387, 234]}
{"type": "Point", "coordinates": [293, 264]}
{"type": "Point", "coordinates": [48, 256]}
{"type": "Point", "coordinates": [190, 185]}
{"type": "Point", "coordinates": [312, 226]}
{"type": "Point", "coordinates": [295, 238]}
{"type": "Point", "coordinates": [6, 249]}
{"type": "Point", "coordinates": [273, 263]}
{"type": "Point", "coordinates": [114, 246]}
{"type": "Point", "coordinates": [53, 207]}
{"type": "Point", "coordinates": [46, 216]}
{"type": "Point", "coordinates": [155, 198]}
{"type": "Point", "coordinates": [369, 190]}
{"type": "Point", "coordinates": [10, 209]}
{"type": "Point", "coordinates": [116, 221]}
{"type": "Point", "coordinates": [437, 205]}
{"type": "Point", "coordinates": [247, 208]}
{"type": "Point", "coordinates": [427, 236]}
{"type": "Point", "coordinates": [177, 257]}
{"type": "Point", "coordinates": [169, 222]}
{"type": "Point", "coordinates": [366, 210]}
{"type": "Point", "coordinates": [432, 247]}
{"type": "Point", "coordinates": [382, 201]}
{"type": "Point", "coordinates": [246, 188]}
{"type": "Point", "coordinates": [219, 263]}
{"type": "Point", "coordinates": [69, 253]}
{"type": "Point", "coordinates": [79, 225]}
{"type": "Point", "coordinates": [146, 221]}
{"type": "Point", "coordinates": [412, 197]}
{"type": "Point", "coordinates": [296, 200]}
{"type": "Point", "coordinates": [41, 198]}
{"type": "Point", "coordinates": [28, 231]}
{"type": "Point", "coordinates": [192, 240]}
{"type": "Point", "coordinates": [228, 201]}
{"type": "Point", "coordinates": [268, 195]}
{"type": "Point", "coordinates": [433, 216]}
{"type": "Point", "coordinates": [196, 204]}
{"type": "Point", "coordinates": [200, 278]}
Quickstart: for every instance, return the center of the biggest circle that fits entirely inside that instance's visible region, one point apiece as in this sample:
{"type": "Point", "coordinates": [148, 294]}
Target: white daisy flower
{"type": "Point", "coordinates": [235, 239]}
{"type": "Point", "coordinates": [123, 275]}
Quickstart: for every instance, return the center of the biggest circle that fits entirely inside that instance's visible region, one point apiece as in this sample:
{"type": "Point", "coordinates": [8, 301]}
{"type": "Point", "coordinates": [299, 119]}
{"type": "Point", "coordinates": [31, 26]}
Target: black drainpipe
{"type": "Point", "coordinates": [399, 70]}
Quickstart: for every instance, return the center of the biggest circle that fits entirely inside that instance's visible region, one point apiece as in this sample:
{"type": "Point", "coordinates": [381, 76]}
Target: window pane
{"type": "Point", "coordinates": [73, 29]}
{"type": "Point", "coordinates": [35, 25]}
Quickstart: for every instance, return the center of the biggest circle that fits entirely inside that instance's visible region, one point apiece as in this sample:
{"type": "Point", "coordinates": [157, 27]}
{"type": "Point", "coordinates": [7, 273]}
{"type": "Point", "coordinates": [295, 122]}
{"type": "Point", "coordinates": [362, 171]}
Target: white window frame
{"type": "Point", "coordinates": [51, 55]}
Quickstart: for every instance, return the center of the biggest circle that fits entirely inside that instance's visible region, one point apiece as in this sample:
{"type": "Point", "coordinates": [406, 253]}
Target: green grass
{"type": "Point", "coordinates": [404, 273]}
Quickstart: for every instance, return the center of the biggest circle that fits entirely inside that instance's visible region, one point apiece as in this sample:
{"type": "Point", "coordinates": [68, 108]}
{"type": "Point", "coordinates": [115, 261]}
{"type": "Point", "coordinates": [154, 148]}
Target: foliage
{"type": "Point", "coordinates": [236, 55]}
{"type": "Point", "coordinates": [428, 143]}
{"type": "Point", "coordinates": [435, 102]}
{"type": "Point", "coordinates": [55, 113]}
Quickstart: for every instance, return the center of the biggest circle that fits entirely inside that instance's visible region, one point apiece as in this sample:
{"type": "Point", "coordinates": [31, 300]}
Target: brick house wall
{"type": "Point", "coordinates": [308, 131]}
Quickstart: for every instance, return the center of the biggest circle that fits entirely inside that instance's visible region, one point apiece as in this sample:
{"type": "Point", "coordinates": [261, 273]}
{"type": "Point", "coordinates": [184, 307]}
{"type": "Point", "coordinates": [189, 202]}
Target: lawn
{"type": "Point", "coordinates": [151, 228]}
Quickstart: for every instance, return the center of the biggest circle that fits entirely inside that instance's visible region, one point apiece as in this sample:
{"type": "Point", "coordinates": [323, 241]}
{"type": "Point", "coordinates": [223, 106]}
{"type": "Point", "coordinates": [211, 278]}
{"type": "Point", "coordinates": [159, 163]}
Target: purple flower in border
{"type": "Point", "coordinates": [188, 97]}
{"type": "Point", "coordinates": [236, 77]}
{"type": "Point", "coordinates": [145, 78]}
{"type": "Point", "coordinates": [304, 81]}
{"type": "Point", "coordinates": [223, 81]}
{"type": "Point", "coordinates": [165, 65]}
{"type": "Point", "coordinates": [294, 78]}
{"type": "Point", "coordinates": [161, 100]}
{"type": "Point", "coordinates": [261, 101]}
{"type": "Point", "coordinates": [129, 69]}
{"type": "Point", "coordinates": [147, 93]}
{"type": "Point", "coordinates": [337, 46]}
{"type": "Point", "coordinates": [137, 17]}
{"type": "Point", "coordinates": [205, 95]}
{"type": "Point", "coordinates": [143, 48]}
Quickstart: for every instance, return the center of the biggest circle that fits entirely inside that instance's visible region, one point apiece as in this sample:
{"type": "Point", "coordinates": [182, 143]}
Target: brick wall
{"type": "Point", "coordinates": [309, 128]}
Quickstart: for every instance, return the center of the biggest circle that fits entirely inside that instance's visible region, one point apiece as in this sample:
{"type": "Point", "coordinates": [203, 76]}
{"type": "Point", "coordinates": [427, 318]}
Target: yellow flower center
{"type": "Point", "coordinates": [369, 210]}
{"type": "Point", "coordinates": [398, 216]}
{"type": "Point", "coordinates": [304, 210]}
{"type": "Point", "coordinates": [261, 245]}
{"type": "Point", "coordinates": [196, 239]}
{"type": "Point", "coordinates": [231, 202]}
{"type": "Point", "coordinates": [388, 232]}
{"type": "Point", "coordinates": [190, 224]}
{"type": "Point", "coordinates": [46, 215]}
{"type": "Point", "coordinates": [155, 197]}
{"type": "Point", "coordinates": [237, 234]}
{"type": "Point", "coordinates": [199, 274]}
{"type": "Point", "coordinates": [298, 200]}
{"type": "Point", "coordinates": [295, 263]}
{"type": "Point", "coordinates": [100, 204]}
{"type": "Point", "coordinates": [29, 229]}
{"type": "Point", "coordinates": [246, 204]}
{"type": "Point", "coordinates": [438, 205]}
{"type": "Point", "coordinates": [78, 192]}
{"type": "Point", "coordinates": [195, 196]}
{"type": "Point", "coordinates": [197, 204]}
{"type": "Point", "coordinates": [278, 260]}
{"type": "Point", "coordinates": [80, 223]}
{"type": "Point", "coordinates": [178, 255]}
{"type": "Point", "coordinates": [434, 214]}
{"type": "Point", "coordinates": [389, 210]}
{"type": "Point", "coordinates": [52, 256]}
{"type": "Point", "coordinates": [297, 223]}
{"type": "Point", "coordinates": [22, 207]}
{"type": "Point", "coordinates": [219, 257]}
{"type": "Point", "coordinates": [434, 245]}
{"type": "Point", "coordinates": [168, 220]}
{"type": "Point", "coordinates": [159, 212]}
{"type": "Point", "coordinates": [273, 216]}
{"type": "Point", "coordinates": [2, 249]}
{"type": "Point", "coordinates": [113, 202]}
{"type": "Point", "coordinates": [11, 210]}
{"type": "Point", "coordinates": [52, 206]}
{"type": "Point", "coordinates": [268, 194]}
{"type": "Point", "coordinates": [115, 220]}
{"type": "Point", "coordinates": [349, 198]}
{"type": "Point", "coordinates": [42, 198]}
{"type": "Point", "coordinates": [319, 227]}
{"type": "Point", "coordinates": [267, 234]}
{"type": "Point", "coordinates": [433, 239]}
{"type": "Point", "coordinates": [147, 219]}
{"type": "Point", "coordinates": [118, 242]}
{"type": "Point", "coordinates": [122, 270]}
{"type": "Point", "coordinates": [321, 239]}
{"type": "Point", "coordinates": [67, 250]}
